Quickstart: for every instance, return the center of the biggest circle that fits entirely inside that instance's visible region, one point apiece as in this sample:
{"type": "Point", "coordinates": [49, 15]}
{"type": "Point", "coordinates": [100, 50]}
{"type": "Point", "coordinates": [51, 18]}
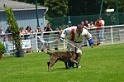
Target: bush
{"type": "Point", "coordinates": [2, 49]}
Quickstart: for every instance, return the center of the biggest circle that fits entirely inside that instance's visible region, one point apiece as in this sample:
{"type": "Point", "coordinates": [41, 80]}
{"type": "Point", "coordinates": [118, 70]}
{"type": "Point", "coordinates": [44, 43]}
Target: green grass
{"type": "Point", "coordinates": [99, 64]}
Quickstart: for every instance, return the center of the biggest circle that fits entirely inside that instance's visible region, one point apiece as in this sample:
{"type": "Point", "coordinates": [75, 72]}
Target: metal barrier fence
{"type": "Point", "coordinates": [6, 39]}
{"type": "Point", "coordinates": [112, 34]}
{"type": "Point", "coordinates": [33, 42]}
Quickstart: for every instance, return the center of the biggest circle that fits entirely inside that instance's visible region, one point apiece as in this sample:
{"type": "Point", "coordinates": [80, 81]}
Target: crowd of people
{"type": "Point", "coordinates": [99, 23]}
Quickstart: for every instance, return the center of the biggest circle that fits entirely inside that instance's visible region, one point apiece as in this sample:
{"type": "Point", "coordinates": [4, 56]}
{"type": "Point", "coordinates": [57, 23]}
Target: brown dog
{"type": "Point", "coordinates": [63, 56]}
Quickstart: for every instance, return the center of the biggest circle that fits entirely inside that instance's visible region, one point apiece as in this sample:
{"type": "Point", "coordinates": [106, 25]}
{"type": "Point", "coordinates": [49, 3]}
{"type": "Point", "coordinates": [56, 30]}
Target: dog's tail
{"type": "Point", "coordinates": [45, 50]}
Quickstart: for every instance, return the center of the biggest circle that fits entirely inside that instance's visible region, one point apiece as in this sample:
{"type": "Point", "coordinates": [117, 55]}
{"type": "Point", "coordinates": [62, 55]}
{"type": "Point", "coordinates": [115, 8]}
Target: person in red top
{"type": "Point", "coordinates": [100, 30]}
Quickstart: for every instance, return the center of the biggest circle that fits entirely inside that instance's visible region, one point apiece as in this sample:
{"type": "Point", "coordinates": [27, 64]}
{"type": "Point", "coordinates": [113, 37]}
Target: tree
{"type": "Point", "coordinates": [56, 7]}
{"type": "Point", "coordinates": [76, 7]}
{"type": "Point", "coordinates": [14, 29]}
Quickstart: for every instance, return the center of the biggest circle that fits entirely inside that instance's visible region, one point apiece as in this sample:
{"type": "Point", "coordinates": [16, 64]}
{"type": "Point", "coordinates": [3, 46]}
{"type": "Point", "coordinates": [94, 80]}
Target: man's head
{"type": "Point", "coordinates": [9, 28]}
{"type": "Point", "coordinates": [79, 28]}
{"type": "Point", "coordinates": [69, 23]}
{"type": "Point", "coordinates": [48, 25]}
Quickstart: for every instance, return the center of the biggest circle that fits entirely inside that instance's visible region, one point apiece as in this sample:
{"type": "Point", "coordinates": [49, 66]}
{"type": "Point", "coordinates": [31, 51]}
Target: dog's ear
{"type": "Point", "coordinates": [50, 53]}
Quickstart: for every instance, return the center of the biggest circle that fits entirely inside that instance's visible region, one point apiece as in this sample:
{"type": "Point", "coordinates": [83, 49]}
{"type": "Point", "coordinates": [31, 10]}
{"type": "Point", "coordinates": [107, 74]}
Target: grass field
{"type": "Point", "coordinates": [99, 64]}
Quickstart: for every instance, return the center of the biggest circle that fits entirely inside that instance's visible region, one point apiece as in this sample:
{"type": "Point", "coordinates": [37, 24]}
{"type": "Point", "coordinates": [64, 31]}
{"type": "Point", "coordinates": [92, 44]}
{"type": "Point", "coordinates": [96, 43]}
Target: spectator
{"type": "Point", "coordinates": [59, 29]}
{"type": "Point", "coordinates": [28, 30]}
{"type": "Point", "coordinates": [48, 28]}
{"type": "Point", "coordinates": [8, 30]}
{"type": "Point", "coordinates": [46, 35]}
{"type": "Point", "coordinates": [1, 30]}
{"type": "Point", "coordinates": [69, 24]}
{"type": "Point", "coordinates": [82, 22]}
{"type": "Point", "coordinates": [21, 31]}
{"type": "Point", "coordinates": [100, 30]}
{"type": "Point", "coordinates": [57, 35]}
{"type": "Point", "coordinates": [38, 29]}
{"type": "Point", "coordinates": [91, 24]}
{"type": "Point", "coordinates": [86, 24]}
{"type": "Point", "coordinates": [75, 36]}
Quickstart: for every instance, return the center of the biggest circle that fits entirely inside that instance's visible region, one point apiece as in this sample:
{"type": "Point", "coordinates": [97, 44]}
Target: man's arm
{"type": "Point", "coordinates": [90, 39]}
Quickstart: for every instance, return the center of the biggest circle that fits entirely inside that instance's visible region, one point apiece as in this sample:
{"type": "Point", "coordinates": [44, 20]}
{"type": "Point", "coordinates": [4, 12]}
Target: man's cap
{"type": "Point", "coordinates": [69, 22]}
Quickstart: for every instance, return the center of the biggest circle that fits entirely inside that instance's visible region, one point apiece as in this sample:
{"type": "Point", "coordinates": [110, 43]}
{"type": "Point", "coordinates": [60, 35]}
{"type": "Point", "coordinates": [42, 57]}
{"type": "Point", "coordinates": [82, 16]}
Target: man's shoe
{"type": "Point", "coordinates": [78, 65]}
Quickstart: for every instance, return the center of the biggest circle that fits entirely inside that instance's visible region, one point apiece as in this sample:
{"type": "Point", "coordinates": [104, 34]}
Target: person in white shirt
{"type": "Point", "coordinates": [102, 31]}
{"type": "Point", "coordinates": [74, 36]}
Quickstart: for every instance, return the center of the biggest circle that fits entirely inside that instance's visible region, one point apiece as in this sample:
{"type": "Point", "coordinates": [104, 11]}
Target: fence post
{"type": "Point", "coordinates": [36, 41]}
{"type": "Point", "coordinates": [101, 7]}
{"type": "Point", "coordinates": [37, 13]}
{"type": "Point", "coordinates": [117, 11]}
{"type": "Point", "coordinates": [111, 29]}
{"type": "Point", "coordinates": [68, 18]}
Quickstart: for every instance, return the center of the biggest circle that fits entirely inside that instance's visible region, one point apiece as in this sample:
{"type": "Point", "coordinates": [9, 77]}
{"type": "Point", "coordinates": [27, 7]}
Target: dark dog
{"type": "Point", "coordinates": [63, 56]}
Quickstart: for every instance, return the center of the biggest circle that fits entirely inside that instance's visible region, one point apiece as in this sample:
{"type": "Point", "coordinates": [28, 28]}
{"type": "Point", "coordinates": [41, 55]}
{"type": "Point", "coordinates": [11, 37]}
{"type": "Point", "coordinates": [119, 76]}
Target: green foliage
{"type": "Point", "coordinates": [2, 49]}
{"type": "Point", "coordinates": [56, 7]}
{"type": "Point", "coordinates": [14, 27]}
{"type": "Point", "coordinates": [76, 7]}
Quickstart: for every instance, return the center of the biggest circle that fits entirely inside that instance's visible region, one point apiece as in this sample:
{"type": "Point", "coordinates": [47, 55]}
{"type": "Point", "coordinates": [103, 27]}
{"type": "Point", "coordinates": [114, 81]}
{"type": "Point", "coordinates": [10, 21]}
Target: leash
{"type": "Point", "coordinates": [69, 43]}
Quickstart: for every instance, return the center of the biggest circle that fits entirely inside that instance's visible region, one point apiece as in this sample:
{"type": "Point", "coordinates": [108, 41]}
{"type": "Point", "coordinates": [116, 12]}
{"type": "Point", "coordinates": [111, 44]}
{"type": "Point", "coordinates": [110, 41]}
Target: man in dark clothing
{"type": "Point", "coordinates": [8, 30]}
{"type": "Point", "coordinates": [46, 35]}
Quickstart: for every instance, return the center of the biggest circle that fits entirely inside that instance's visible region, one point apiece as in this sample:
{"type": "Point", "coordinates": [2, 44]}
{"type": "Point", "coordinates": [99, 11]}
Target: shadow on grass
{"type": "Point", "coordinates": [63, 69]}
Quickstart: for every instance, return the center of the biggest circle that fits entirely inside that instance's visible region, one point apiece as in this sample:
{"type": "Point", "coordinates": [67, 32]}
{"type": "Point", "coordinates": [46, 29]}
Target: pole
{"type": "Point", "coordinates": [117, 12]}
{"type": "Point", "coordinates": [37, 13]}
{"type": "Point", "coordinates": [68, 18]}
{"type": "Point", "coordinates": [101, 8]}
